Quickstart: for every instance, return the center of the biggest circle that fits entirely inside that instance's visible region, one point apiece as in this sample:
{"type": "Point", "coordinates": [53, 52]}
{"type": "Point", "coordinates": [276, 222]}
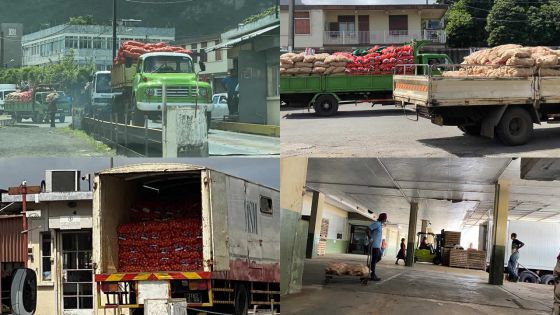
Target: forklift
{"type": "Point", "coordinates": [431, 255]}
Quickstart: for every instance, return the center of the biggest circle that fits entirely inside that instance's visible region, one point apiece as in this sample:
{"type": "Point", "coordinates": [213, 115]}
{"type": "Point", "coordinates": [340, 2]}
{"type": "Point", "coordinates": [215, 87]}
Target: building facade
{"type": "Point", "coordinates": [216, 62]}
{"type": "Point", "coordinates": [332, 25]}
{"type": "Point", "coordinates": [10, 45]}
{"type": "Point", "coordinates": [90, 43]}
{"type": "Point", "coordinates": [252, 49]}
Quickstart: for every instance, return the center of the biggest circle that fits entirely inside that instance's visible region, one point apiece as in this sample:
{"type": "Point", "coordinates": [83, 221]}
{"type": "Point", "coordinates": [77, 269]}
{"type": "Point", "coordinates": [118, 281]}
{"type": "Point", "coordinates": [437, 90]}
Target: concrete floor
{"type": "Point", "coordinates": [362, 131]}
{"type": "Point", "coordinates": [423, 289]}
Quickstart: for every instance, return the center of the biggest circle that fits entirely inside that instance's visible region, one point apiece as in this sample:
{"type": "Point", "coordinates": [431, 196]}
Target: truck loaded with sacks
{"type": "Point", "coordinates": [140, 71]}
{"type": "Point", "coordinates": [323, 81]}
{"type": "Point", "coordinates": [500, 91]}
{"type": "Point", "coordinates": [184, 233]}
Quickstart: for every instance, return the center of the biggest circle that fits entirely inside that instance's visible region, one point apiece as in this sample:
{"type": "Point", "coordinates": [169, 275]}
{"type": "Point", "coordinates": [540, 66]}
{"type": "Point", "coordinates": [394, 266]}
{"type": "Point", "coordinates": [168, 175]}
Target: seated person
{"type": "Point", "coordinates": [424, 243]}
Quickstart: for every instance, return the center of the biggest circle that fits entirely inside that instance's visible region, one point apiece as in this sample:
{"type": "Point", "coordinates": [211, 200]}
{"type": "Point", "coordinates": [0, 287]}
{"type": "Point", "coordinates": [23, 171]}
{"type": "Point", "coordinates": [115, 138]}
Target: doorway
{"type": "Point", "coordinates": [77, 273]}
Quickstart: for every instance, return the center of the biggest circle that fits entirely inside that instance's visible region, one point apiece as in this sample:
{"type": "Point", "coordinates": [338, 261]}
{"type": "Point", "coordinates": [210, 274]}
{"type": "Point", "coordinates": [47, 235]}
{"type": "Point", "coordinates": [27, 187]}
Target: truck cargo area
{"type": "Point", "coordinates": [151, 238]}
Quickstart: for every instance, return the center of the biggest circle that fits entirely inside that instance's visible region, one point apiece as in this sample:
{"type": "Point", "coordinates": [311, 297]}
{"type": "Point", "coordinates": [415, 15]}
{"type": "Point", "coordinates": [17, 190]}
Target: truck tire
{"type": "Point", "coordinates": [241, 304]}
{"type": "Point", "coordinates": [547, 279]}
{"type": "Point", "coordinates": [515, 127]}
{"type": "Point", "coordinates": [24, 291]}
{"type": "Point", "coordinates": [325, 105]}
{"type": "Point", "coordinates": [471, 130]}
{"type": "Point", "coordinates": [528, 277]}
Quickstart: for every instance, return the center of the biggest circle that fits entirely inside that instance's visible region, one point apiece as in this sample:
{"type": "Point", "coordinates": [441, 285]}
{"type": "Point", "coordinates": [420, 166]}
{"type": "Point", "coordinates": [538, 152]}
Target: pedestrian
{"type": "Point", "coordinates": [374, 232]}
{"type": "Point", "coordinates": [383, 246]}
{"type": "Point", "coordinates": [230, 83]}
{"type": "Point", "coordinates": [51, 101]}
{"type": "Point", "coordinates": [514, 257]}
{"type": "Point", "coordinates": [402, 252]}
{"type": "Point", "coordinates": [556, 306]}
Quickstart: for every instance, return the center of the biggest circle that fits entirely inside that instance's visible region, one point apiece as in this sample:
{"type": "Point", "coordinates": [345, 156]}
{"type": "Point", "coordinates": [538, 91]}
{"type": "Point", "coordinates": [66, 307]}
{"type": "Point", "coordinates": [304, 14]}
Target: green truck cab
{"type": "Point", "coordinates": [38, 108]}
{"type": "Point", "coordinates": [325, 92]}
{"type": "Point", "coordinates": [139, 87]}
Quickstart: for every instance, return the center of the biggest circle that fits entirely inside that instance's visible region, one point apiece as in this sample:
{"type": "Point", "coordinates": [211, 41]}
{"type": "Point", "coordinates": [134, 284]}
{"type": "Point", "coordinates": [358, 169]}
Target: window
{"type": "Point", "coordinates": [398, 25]}
{"type": "Point", "coordinates": [98, 43]}
{"type": "Point", "coordinates": [168, 64]}
{"type": "Point", "coordinates": [71, 42]}
{"type": "Point", "coordinates": [77, 291]}
{"type": "Point", "coordinates": [218, 52]}
{"type": "Point", "coordinates": [194, 46]}
{"type": "Point", "coordinates": [302, 24]}
{"type": "Point", "coordinates": [85, 42]}
{"type": "Point", "coordinates": [266, 205]}
{"type": "Point", "coordinates": [46, 256]}
{"type": "Point", "coordinates": [203, 56]}
{"type": "Point", "coordinates": [347, 23]}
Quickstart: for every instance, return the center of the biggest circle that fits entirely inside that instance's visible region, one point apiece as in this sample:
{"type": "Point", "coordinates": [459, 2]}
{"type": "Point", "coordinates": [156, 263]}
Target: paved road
{"type": "Point", "coordinates": [384, 131]}
{"type": "Point", "coordinates": [58, 124]}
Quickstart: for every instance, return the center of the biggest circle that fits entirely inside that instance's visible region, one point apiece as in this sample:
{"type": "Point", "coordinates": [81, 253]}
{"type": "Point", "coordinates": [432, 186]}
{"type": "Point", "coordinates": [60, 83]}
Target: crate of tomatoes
{"type": "Point", "coordinates": [134, 49]}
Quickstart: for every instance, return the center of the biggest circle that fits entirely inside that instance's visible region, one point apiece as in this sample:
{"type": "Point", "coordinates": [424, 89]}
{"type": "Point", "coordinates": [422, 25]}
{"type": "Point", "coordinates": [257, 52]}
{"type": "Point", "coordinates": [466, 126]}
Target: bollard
{"type": "Point", "coordinates": [185, 133]}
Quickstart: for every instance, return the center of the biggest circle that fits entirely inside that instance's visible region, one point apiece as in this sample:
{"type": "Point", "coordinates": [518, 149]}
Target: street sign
{"type": "Point", "coordinates": [19, 190]}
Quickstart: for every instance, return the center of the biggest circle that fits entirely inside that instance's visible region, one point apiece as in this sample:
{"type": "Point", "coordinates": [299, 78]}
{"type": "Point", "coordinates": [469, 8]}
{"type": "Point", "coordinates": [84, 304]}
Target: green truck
{"type": "Point", "coordinates": [38, 108]}
{"type": "Point", "coordinates": [325, 92]}
{"type": "Point", "coordinates": [138, 87]}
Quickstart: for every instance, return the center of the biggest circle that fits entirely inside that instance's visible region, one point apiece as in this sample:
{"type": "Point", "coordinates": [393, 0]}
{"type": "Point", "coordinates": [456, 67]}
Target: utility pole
{"type": "Point", "coordinates": [23, 190]}
{"type": "Point", "coordinates": [114, 29]}
{"type": "Point", "coordinates": [291, 25]}
{"type": "Point", "coordinates": [1, 48]}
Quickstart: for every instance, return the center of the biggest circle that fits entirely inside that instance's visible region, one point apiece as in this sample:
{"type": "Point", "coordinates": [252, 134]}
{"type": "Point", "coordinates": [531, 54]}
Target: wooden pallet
{"type": "Point", "coordinates": [470, 259]}
{"type": "Point", "coordinates": [452, 238]}
{"type": "Point", "coordinates": [446, 251]}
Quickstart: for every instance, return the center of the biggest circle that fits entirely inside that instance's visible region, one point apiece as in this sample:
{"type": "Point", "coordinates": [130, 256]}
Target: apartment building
{"type": "Point", "coordinates": [331, 25]}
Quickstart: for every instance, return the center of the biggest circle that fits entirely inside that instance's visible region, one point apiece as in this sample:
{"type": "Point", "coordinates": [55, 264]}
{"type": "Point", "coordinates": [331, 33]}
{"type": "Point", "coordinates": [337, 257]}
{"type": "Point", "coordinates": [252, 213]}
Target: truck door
{"type": "Point", "coordinates": [219, 196]}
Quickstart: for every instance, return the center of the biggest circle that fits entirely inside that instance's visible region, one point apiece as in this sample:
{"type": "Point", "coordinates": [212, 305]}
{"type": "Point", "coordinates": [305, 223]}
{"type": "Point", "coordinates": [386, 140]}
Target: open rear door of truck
{"type": "Point", "coordinates": [219, 220]}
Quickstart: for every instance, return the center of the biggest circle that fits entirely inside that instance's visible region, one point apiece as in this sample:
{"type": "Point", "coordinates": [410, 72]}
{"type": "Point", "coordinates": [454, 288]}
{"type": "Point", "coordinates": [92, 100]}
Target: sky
{"type": "Point", "coordinates": [13, 171]}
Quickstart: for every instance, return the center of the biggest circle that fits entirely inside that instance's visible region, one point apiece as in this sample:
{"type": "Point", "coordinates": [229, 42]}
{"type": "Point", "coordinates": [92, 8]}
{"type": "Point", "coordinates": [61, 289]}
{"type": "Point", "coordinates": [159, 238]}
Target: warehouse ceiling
{"type": "Point", "coordinates": [451, 192]}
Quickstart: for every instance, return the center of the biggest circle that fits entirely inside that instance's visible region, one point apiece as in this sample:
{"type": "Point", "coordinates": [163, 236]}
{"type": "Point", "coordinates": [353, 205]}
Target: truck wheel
{"type": "Point", "coordinates": [241, 300]}
{"type": "Point", "coordinates": [515, 127]}
{"type": "Point", "coordinates": [24, 291]}
{"type": "Point", "coordinates": [325, 105]}
{"type": "Point", "coordinates": [547, 279]}
{"type": "Point", "coordinates": [471, 130]}
{"type": "Point", "coordinates": [528, 277]}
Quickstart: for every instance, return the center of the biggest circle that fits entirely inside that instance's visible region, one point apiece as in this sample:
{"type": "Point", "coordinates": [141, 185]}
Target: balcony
{"type": "Point", "coordinates": [381, 37]}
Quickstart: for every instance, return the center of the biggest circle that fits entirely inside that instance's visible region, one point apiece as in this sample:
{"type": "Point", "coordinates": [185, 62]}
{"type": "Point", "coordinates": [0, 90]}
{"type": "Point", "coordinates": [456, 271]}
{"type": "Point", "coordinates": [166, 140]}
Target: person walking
{"type": "Point", "coordinates": [402, 252]}
{"type": "Point", "coordinates": [51, 101]}
{"type": "Point", "coordinates": [514, 257]}
{"type": "Point", "coordinates": [374, 232]}
{"type": "Point", "coordinates": [231, 82]}
{"type": "Point", "coordinates": [556, 273]}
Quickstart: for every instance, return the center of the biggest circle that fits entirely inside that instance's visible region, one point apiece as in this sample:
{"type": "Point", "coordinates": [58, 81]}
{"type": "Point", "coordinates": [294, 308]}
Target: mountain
{"type": "Point", "coordinates": [189, 17]}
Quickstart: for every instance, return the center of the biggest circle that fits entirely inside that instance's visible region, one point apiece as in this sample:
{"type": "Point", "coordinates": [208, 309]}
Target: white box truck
{"type": "Point", "coordinates": [538, 256]}
{"type": "Point", "coordinates": [5, 89]}
{"type": "Point", "coordinates": [237, 223]}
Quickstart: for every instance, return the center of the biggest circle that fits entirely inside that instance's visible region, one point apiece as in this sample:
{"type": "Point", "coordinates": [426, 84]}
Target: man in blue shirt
{"type": "Point", "coordinates": [374, 232]}
{"type": "Point", "coordinates": [230, 83]}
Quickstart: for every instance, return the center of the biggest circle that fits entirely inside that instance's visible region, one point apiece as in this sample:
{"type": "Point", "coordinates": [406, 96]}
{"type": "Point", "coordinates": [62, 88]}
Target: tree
{"type": "Point", "coordinates": [465, 21]}
{"type": "Point", "coordinates": [544, 24]}
{"type": "Point", "coordinates": [507, 23]}
{"type": "Point", "coordinates": [81, 20]}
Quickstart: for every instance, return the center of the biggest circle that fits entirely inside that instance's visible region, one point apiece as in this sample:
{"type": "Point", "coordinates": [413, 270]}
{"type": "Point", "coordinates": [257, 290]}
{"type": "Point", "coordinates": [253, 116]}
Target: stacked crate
{"type": "Point", "coordinates": [450, 240]}
{"type": "Point", "coordinates": [470, 259]}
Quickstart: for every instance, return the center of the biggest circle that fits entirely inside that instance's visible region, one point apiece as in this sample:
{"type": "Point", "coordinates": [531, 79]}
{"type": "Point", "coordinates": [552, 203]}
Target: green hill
{"type": "Point", "coordinates": [195, 17]}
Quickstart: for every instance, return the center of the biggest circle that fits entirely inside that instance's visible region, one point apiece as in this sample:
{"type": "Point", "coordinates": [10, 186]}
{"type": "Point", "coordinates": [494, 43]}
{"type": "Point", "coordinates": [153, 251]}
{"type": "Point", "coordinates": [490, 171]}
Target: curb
{"type": "Point", "coordinates": [263, 130]}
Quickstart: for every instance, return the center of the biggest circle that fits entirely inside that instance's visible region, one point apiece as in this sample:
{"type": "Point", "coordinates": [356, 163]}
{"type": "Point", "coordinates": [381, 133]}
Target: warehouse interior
{"type": "Point", "coordinates": [478, 197]}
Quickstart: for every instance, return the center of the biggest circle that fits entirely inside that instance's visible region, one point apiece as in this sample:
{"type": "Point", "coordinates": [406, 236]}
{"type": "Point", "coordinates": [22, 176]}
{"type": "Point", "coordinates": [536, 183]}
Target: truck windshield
{"type": "Point", "coordinates": [168, 64]}
{"type": "Point", "coordinates": [103, 83]}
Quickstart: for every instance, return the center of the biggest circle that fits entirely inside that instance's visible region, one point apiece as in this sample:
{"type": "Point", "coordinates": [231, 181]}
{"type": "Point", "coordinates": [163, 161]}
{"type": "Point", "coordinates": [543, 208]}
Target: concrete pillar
{"type": "Point", "coordinates": [293, 233]}
{"type": "Point", "coordinates": [413, 218]}
{"type": "Point", "coordinates": [499, 233]}
{"type": "Point", "coordinates": [424, 227]}
{"type": "Point", "coordinates": [184, 132]}
{"type": "Point", "coordinates": [315, 220]}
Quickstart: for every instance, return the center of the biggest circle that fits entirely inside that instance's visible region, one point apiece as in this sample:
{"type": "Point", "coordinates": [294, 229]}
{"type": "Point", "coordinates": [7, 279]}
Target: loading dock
{"type": "Point", "coordinates": [451, 194]}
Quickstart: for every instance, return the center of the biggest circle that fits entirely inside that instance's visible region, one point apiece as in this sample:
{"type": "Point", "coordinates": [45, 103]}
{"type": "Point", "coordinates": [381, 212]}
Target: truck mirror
{"type": "Point", "coordinates": [128, 62]}
{"type": "Point", "coordinates": [202, 65]}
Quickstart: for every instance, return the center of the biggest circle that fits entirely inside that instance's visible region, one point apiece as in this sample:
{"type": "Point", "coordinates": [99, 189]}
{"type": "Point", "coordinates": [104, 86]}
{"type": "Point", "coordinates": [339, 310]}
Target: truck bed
{"type": "Point", "coordinates": [335, 83]}
{"type": "Point", "coordinates": [432, 91]}
{"type": "Point", "coordinates": [121, 76]}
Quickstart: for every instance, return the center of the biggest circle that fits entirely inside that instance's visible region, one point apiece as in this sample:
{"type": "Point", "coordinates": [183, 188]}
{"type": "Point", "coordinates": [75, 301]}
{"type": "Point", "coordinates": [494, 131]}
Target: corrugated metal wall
{"type": "Point", "coordinates": [11, 240]}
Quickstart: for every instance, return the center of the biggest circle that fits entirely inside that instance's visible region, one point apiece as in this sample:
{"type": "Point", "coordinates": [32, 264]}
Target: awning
{"type": "Point", "coordinates": [242, 38]}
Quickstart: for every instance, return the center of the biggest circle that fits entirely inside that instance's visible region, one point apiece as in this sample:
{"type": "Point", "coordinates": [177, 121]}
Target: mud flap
{"type": "Point", "coordinates": [491, 120]}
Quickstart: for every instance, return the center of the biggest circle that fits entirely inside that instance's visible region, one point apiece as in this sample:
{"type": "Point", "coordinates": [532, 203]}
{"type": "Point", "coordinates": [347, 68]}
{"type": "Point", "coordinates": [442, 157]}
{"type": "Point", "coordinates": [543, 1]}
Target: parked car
{"type": "Point", "coordinates": [219, 102]}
